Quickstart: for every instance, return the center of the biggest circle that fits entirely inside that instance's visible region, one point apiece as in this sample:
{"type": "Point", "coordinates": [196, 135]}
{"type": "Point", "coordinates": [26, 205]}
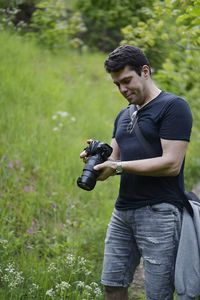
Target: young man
{"type": "Point", "coordinates": [146, 220]}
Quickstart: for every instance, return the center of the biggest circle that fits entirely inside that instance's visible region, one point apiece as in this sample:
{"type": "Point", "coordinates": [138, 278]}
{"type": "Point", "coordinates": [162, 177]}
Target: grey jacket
{"type": "Point", "coordinates": [187, 269]}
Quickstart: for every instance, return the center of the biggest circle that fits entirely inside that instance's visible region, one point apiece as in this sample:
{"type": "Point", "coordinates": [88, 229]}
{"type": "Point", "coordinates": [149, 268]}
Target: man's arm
{"type": "Point", "coordinates": [168, 164]}
{"type": "Point", "coordinates": [116, 153]}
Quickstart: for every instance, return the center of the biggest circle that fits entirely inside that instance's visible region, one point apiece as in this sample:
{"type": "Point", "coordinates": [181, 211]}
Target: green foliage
{"type": "Point", "coordinates": [103, 24]}
{"type": "Point", "coordinates": [15, 15]}
{"type": "Point", "coordinates": [104, 19]}
{"type": "Point", "coordinates": [56, 26]}
{"type": "Point", "coordinates": [7, 17]}
{"type": "Point", "coordinates": [15, 3]}
{"type": "Point", "coordinates": [173, 26]}
{"type": "Point", "coordinates": [58, 23]}
{"type": "Point", "coordinates": [51, 22]}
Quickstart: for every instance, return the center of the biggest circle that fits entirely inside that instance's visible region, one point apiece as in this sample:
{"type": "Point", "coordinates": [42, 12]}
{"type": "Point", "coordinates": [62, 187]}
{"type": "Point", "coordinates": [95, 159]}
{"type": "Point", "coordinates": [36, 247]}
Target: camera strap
{"type": "Point", "coordinates": [133, 117]}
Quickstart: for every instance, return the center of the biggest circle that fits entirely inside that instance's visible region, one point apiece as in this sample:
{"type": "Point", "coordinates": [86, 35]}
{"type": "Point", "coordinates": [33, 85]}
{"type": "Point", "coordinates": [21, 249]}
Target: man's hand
{"type": "Point", "coordinates": [83, 154]}
{"type": "Point", "coordinates": [106, 169]}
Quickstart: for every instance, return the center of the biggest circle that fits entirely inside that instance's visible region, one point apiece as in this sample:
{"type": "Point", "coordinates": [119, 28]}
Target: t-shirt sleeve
{"type": "Point", "coordinates": [116, 122]}
{"type": "Point", "coordinates": [176, 123]}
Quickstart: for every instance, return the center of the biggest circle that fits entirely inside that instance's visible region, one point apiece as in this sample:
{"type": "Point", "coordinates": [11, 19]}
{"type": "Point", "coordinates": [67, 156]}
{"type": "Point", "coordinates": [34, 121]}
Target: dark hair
{"type": "Point", "coordinates": [126, 55]}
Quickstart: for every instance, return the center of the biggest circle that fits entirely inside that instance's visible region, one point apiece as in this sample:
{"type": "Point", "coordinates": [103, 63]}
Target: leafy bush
{"type": "Point", "coordinates": [52, 22]}
{"type": "Point", "coordinates": [104, 20]}
{"type": "Point", "coordinates": [172, 27]}
{"type": "Point", "coordinates": [56, 26]}
{"type": "Point", "coordinates": [16, 12]}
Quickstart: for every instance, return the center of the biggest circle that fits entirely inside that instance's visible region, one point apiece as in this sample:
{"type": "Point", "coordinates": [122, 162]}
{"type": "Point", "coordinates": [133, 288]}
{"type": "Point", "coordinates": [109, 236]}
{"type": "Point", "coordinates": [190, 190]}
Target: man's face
{"type": "Point", "coordinates": [132, 86]}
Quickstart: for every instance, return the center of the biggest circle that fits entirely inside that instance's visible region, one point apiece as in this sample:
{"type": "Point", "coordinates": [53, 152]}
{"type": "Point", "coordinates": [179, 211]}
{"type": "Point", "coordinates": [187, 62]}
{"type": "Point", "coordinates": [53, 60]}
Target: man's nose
{"type": "Point", "coordinates": [123, 88]}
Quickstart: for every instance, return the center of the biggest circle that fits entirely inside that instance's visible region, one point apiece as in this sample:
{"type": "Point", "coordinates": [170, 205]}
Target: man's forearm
{"type": "Point", "coordinates": [158, 166]}
{"type": "Point", "coordinates": [168, 164]}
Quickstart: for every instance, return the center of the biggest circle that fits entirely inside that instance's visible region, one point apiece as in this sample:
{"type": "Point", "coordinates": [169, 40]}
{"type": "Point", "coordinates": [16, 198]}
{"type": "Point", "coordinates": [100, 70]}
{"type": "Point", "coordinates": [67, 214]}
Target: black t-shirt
{"type": "Point", "coordinates": [165, 117]}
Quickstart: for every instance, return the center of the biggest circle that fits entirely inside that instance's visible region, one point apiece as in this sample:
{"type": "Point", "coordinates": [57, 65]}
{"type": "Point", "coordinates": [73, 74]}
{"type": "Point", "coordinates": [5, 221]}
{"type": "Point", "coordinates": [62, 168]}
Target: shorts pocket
{"type": "Point", "coordinates": [164, 208]}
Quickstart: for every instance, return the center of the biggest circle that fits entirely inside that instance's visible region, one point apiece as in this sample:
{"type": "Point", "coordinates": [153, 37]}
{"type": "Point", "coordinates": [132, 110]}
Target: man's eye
{"type": "Point", "coordinates": [127, 81]}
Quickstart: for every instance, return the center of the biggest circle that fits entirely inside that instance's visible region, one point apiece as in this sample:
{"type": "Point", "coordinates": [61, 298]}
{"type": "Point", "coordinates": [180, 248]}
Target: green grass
{"type": "Point", "coordinates": [44, 215]}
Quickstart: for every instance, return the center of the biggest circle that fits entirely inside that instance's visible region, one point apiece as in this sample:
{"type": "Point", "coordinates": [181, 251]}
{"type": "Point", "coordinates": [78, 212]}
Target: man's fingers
{"type": "Point", "coordinates": [83, 154]}
{"type": "Point", "coordinates": [99, 167]}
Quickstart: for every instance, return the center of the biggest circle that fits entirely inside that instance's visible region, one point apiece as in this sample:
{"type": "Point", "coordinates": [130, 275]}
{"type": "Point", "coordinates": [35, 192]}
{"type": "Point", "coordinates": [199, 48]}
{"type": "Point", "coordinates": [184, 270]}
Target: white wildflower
{"type": "Point", "coordinates": [87, 291]}
{"type": "Point", "coordinates": [63, 114]}
{"type": "Point", "coordinates": [35, 286]}
{"type": "Point", "coordinates": [12, 277]}
{"type": "Point", "coordinates": [96, 289]}
{"type": "Point", "coordinates": [82, 261]}
{"type": "Point", "coordinates": [88, 288]}
{"type": "Point", "coordinates": [80, 284]}
{"type": "Point", "coordinates": [93, 284]}
{"type": "Point", "coordinates": [3, 243]}
{"type": "Point", "coordinates": [54, 117]}
{"type": "Point", "coordinates": [87, 272]}
{"type": "Point", "coordinates": [52, 268]}
{"type": "Point", "coordinates": [63, 286]}
{"type": "Point", "coordinates": [70, 260]}
{"type": "Point", "coordinates": [33, 289]}
{"type": "Point", "coordinates": [97, 292]}
{"type": "Point", "coordinates": [50, 293]}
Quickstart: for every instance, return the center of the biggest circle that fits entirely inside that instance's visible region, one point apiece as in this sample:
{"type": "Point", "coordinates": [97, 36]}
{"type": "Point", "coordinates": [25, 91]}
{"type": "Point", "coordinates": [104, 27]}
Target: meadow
{"type": "Point", "coordinates": [51, 231]}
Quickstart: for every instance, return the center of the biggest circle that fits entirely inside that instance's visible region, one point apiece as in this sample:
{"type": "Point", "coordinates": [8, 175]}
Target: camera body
{"type": "Point", "coordinates": [97, 153]}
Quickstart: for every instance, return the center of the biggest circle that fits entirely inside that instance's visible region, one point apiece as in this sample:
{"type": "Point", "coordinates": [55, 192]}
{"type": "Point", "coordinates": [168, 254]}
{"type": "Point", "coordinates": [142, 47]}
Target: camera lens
{"type": "Point", "coordinates": [86, 181]}
{"type": "Point", "coordinates": [98, 153]}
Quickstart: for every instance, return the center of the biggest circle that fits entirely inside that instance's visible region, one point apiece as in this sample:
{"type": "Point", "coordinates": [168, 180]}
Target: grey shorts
{"type": "Point", "coordinates": [151, 232]}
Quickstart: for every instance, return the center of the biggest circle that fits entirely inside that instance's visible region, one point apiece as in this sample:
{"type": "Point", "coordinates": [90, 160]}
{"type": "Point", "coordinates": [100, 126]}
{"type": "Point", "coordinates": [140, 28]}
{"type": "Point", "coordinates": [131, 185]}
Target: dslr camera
{"type": "Point", "coordinates": [97, 153]}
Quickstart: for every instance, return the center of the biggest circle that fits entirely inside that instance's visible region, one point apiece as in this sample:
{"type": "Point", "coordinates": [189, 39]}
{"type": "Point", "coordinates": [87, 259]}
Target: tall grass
{"type": "Point", "coordinates": [50, 105]}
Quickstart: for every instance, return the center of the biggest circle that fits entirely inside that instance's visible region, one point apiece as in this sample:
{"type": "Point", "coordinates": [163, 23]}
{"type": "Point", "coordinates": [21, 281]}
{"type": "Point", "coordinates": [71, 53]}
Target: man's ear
{"type": "Point", "coordinates": [146, 71]}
